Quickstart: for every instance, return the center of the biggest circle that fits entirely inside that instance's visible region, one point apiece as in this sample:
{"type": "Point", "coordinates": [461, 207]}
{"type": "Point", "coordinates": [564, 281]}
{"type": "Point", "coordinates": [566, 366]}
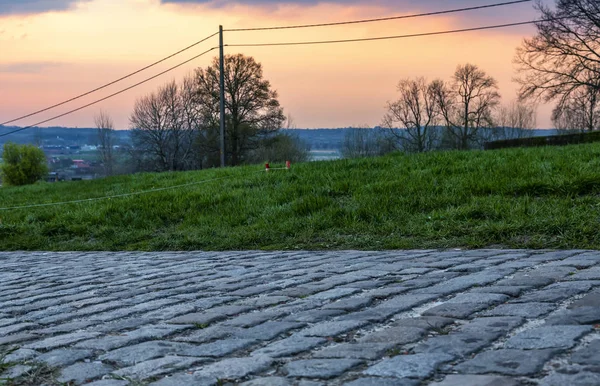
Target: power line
{"type": "Point", "coordinates": [381, 19]}
{"type": "Point", "coordinates": [123, 195]}
{"type": "Point", "coordinates": [115, 195]}
{"type": "Point", "coordinates": [109, 96]}
{"type": "Point", "coordinates": [109, 84]}
{"type": "Point", "coordinates": [385, 37]}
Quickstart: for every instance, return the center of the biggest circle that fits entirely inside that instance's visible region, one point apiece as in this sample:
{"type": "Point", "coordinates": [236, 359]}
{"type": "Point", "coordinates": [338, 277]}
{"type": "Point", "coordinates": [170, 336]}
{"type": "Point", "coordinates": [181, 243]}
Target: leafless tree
{"type": "Point", "coordinates": [164, 124]}
{"type": "Point", "coordinates": [105, 131]}
{"type": "Point", "coordinates": [516, 120]}
{"type": "Point", "coordinates": [251, 106]}
{"type": "Point", "coordinates": [562, 62]}
{"type": "Point", "coordinates": [467, 104]}
{"type": "Point", "coordinates": [417, 111]}
{"type": "Point", "coordinates": [579, 113]}
{"type": "Point", "coordinates": [363, 141]}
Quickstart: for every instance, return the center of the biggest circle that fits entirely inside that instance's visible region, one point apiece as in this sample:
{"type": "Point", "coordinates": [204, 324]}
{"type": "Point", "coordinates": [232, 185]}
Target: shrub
{"type": "Point", "coordinates": [22, 164]}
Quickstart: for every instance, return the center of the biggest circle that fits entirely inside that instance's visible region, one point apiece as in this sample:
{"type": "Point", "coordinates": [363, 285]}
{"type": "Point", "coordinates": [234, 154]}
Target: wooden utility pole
{"type": "Point", "coordinates": [222, 91]}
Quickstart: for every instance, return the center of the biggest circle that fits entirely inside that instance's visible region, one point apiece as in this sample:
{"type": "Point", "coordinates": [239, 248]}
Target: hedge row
{"type": "Point", "coordinates": [552, 140]}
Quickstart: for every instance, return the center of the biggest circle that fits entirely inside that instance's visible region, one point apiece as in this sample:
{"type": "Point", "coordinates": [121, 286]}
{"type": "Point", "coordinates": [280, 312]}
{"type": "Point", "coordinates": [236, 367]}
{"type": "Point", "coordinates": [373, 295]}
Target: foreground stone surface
{"type": "Point", "coordinates": [482, 317]}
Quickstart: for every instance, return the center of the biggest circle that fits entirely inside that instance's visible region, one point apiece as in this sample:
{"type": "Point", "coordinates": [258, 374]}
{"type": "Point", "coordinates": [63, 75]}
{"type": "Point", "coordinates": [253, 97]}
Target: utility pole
{"type": "Point", "coordinates": [222, 97]}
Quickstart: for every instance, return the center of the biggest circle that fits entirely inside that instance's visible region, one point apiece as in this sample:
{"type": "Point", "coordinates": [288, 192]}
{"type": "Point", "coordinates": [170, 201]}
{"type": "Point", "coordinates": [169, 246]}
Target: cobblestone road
{"type": "Point", "coordinates": [443, 318]}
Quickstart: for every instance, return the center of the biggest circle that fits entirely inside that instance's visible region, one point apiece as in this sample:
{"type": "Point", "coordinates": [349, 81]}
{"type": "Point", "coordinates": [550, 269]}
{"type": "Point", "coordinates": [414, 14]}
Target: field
{"type": "Point", "coordinates": [525, 198]}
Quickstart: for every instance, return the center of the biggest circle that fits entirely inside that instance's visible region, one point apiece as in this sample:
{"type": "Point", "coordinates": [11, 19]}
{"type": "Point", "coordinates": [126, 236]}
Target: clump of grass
{"type": "Point", "coordinates": [515, 198]}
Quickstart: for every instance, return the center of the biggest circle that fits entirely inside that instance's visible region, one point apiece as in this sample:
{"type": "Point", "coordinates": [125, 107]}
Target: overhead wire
{"type": "Point", "coordinates": [109, 96]}
{"type": "Point", "coordinates": [110, 83]}
{"type": "Point", "coordinates": [383, 37]}
{"type": "Point", "coordinates": [479, 7]}
{"type": "Point", "coordinates": [123, 195]}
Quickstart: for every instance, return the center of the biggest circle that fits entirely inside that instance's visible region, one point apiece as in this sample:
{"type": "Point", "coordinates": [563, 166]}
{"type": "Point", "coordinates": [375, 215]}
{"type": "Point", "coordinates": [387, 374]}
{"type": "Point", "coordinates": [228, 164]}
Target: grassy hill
{"type": "Point", "coordinates": [534, 198]}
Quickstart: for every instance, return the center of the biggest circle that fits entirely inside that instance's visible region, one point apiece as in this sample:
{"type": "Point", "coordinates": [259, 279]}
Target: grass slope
{"type": "Point", "coordinates": [534, 198]}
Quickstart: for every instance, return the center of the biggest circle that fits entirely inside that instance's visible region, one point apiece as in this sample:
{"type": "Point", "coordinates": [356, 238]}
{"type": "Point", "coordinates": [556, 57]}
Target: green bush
{"type": "Point", "coordinates": [22, 164]}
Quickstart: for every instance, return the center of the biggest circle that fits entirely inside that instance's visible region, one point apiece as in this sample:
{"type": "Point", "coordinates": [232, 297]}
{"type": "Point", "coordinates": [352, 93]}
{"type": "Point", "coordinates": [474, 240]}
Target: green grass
{"type": "Point", "coordinates": [530, 198]}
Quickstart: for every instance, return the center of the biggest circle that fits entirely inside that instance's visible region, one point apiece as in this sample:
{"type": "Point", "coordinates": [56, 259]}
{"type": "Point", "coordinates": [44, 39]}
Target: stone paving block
{"type": "Point", "coordinates": [377, 381]}
{"type": "Point", "coordinates": [108, 382]}
{"type": "Point", "coordinates": [268, 381]}
{"type": "Point", "coordinates": [16, 338]}
{"type": "Point", "coordinates": [589, 355]}
{"type": "Point", "coordinates": [295, 344]}
{"type": "Point", "coordinates": [156, 367]}
{"type": "Point", "coordinates": [83, 372]}
{"type": "Point", "coordinates": [20, 355]}
{"type": "Point", "coordinates": [456, 310]}
{"type": "Point", "coordinates": [64, 357]}
{"type": "Point", "coordinates": [313, 316]}
{"type": "Point", "coordinates": [60, 341]}
{"type": "Point", "coordinates": [263, 301]}
{"type": "Point", "coordinates": [526, 281]}
{"type": "Point", "coordinates": [211, 315]}
{"type": "Point", "coordinates": [396, 335]}
{"type": "Point", "coordinates": [507, 362]}
{"type": "Point", "coordinates": [409, 366]}
{"type": "Point", "coordinates": [254, 318]}
{"type": "Point", "coordinates": [476, 380]}
{"type": "Point", "coordinates": [204, 335]}
{"type": "Point", "coordinates": [217, 349]}
{"type": "Point", "coordinates": [424, 322]}
{"type": "Point", "coordinates": [15, 371]}
{"type": "Point", "coordinates": [268, 330]}
{"type": "Point", "coordinates": [580, 315]}
{"type": "Point", "coordinates": [579, 379]}
{"type": "Point", "coordinates": [112, 342]}
{"type": "Point", "coordinates": [559, 337]}
{"type": "Point", "coordinates": [587, 274]}
{"type": "Point", "coordinates": [526, 310]}
{"type": "Point", "coordinates": [370, 315]}
{"type": "Point", "coordinates": [405, 302]}
{"type": "Point", "coordinates": [461, 283]}
{"type": "Point", "coordinates": [459, 345]}
{"type": "Point", "coordinates": [506, 290]}
{"type": "Point", "coordinates": [130, 355]}
{"type": "Point", "coordinates": [351, 304]}
{"type": "Point", "coordinates": [483, 298]}
{"type": "Point", "coordinates": [589, 300]}
{"type": "Point", "coordinates": [333, 328]}
{"type": "Point", "coordinates": [14, 328]}
{"type": "Point", "coordinates": [386, 292]}
{"type": "Point", "coordinates": [368, 351]}
{"type": "Point", "coordinates": [501, 324]}
{"type": "Point", "coordinates": [235, 368]}
{"type": "Point", "coordinates": [320, 368]}
{"type": "Point", "coordinates": [187, 380]}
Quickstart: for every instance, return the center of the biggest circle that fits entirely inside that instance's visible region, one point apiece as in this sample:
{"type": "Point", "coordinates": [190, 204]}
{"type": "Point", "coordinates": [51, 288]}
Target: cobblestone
{"type": "Point", "coordinates": [443, 318]}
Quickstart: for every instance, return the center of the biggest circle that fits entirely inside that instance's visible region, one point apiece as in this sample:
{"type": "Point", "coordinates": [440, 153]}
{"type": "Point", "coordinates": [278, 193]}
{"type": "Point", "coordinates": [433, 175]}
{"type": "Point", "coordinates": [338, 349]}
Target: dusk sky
{"type": "Point", "coordinates": [51, 50]}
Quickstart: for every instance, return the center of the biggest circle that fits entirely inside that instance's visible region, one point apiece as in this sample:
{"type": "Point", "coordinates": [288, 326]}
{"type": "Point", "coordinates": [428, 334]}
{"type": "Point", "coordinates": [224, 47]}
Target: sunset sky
{"type": "Point", "coordinates": [51, 50]}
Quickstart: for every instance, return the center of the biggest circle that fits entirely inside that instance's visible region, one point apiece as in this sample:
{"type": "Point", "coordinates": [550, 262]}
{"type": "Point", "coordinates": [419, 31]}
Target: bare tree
{"type": "Point", "coordinates": [164, 124]}
{"type": "Point", "coordinates": [251, 106]}
{"type": "Point", "coordinates": [363, 141]}
{"type": "Point", "coordinates": [516, 120]}
{"type": "Point", "coordinates": [564, 57]}
{"type": "Point", "coordinates": [417, 111]}
{"type": "Point", "coordinates": [467, 105]}
{"type": "Point", "coordinates": [105, 131]}
{"type": "Point", "coordinates": [579, 113]}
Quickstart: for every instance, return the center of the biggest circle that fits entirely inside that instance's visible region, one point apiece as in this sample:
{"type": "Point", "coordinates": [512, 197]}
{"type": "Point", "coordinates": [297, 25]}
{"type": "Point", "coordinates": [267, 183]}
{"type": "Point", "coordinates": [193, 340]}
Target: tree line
{"type": "Point", "coordinates": [177, 127]}
{"type": "Point", "coordinates": [560, 64]}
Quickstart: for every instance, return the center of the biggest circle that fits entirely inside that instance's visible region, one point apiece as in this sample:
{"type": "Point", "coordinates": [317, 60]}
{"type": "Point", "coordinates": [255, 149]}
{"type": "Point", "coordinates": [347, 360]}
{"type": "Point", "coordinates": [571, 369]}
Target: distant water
{"type": "Point", "coordinates": [325, 155]}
